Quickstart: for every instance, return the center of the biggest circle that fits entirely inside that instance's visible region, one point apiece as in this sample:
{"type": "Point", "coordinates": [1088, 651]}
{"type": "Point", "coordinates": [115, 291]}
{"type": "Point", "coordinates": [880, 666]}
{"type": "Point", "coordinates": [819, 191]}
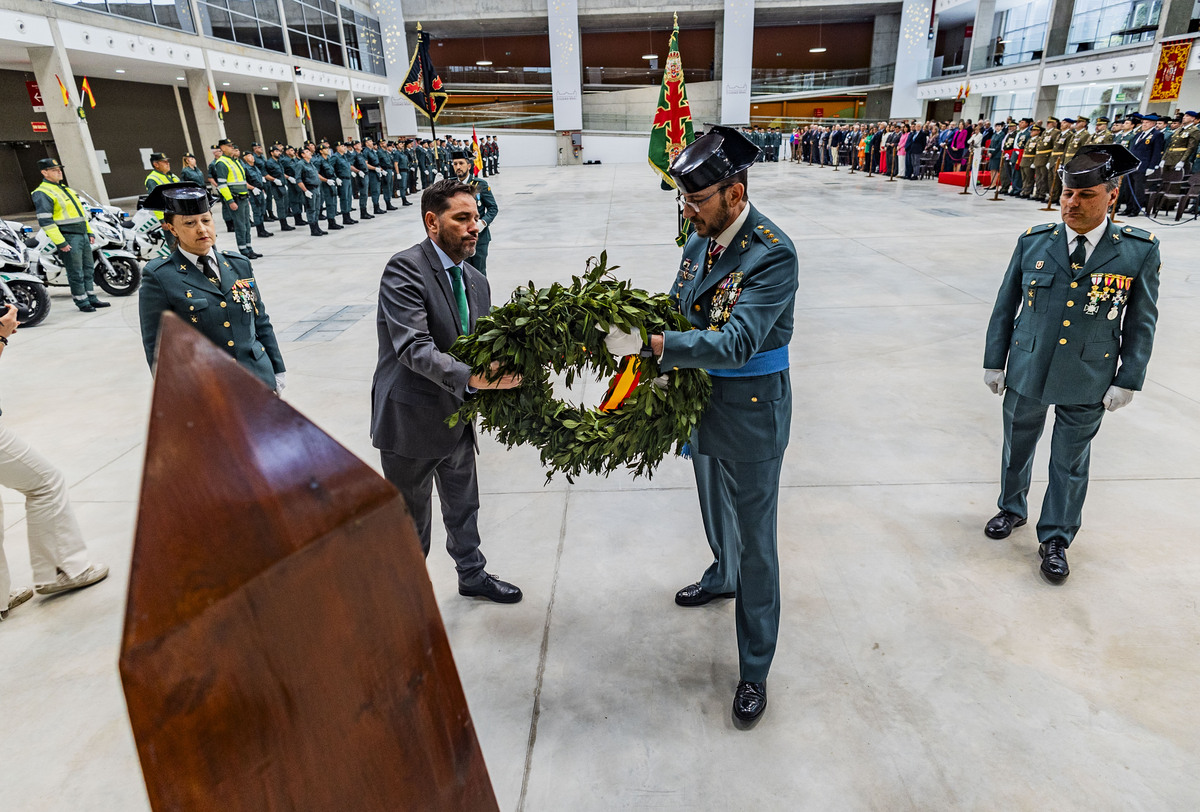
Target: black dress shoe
{"type": "Point", "coordinates": [390, 207]}
{"type": "Point", "coordinates": [229, 228]}
{"type": "Point", "coordinates": [749, 702]}
{"type": "Point", "coordinates": [283, 226]}
{"type": "Point", "coordinates": [1054, 561]}
{"type": "Point", "coordinates": [333, 226]}
{"type": "Point", "coordinates": [98, 303]}
{"type": "Point", "coordinates": [378, 210]}
{"type": "Point", "coordinates": [347, 220]}
{"type": "Point", "coordinates": [406, 203]}
{"type": "Point", "coordinates": [264, 234]}
{"type": "Point", "coordinates": [694, 595]}
{"type": "Point", "coordinates": [493, 589]}
{"type": "Point", "coordinates": [250, 253]}
{"type": "Point", "coordinates": [1002, 524]}
{"type": "Point", "coordinates": [365, 216]}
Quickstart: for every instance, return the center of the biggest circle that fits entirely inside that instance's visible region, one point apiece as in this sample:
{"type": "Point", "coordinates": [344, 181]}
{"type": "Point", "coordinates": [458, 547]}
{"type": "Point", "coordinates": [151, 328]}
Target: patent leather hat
{"type": "Point", "coordinates": [1095, 164]}
{"type": "Point", "coordinates": [718, 155]}
{"type": "Point", "coordinates": [178, 198]}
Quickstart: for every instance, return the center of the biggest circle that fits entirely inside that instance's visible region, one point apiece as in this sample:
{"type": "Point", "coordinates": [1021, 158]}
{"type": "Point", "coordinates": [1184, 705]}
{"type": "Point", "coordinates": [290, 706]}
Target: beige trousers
{"type": "Point", "coordinates": [55, 540]}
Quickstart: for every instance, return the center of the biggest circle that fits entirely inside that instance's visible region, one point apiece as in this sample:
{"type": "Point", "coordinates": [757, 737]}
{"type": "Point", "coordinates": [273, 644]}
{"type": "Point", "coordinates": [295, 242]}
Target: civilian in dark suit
{"type": "Point", "coordinates": [428, 297]}
{"type": "Point", "coordinates": [1147, 146]}
{"type": "Point", "coordinates": [914, 150]}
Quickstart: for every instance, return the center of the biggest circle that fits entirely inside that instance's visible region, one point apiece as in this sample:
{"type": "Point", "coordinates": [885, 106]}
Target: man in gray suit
{"type": "Point", "coordinates": [428, 297]}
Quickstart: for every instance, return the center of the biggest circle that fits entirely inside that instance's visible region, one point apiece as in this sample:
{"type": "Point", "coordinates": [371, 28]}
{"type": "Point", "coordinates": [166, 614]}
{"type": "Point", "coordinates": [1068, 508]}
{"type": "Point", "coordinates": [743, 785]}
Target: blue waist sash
{"type": "Point", "coordinates": [763, 363]}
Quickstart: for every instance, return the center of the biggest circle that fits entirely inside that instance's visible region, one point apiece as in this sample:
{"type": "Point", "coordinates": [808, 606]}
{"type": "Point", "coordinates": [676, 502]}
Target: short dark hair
{"type": "Point", "coordinates": [436, 198]}
{"type": "Point", "coordinates": [743, 178]}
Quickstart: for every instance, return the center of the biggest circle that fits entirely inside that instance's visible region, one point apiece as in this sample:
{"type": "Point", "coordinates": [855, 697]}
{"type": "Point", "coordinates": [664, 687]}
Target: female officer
{"type": "Point", "coordinates": [214, 291]}
{"type": "Point", "coordinates": [190, 171]}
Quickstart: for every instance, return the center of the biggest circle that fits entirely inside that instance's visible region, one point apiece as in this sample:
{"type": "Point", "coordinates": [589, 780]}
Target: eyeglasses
{"type": "Point", "coordinates": [695, 204]}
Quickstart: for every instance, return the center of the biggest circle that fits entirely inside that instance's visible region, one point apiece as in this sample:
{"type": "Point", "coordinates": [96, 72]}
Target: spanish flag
{"type": "Point", "coordinates": [212, 99]}
{"type": "Point", "coordinates": [477, 163]}
{"type": "Point", "coordinates": [307, 112]}
{"type": "Point", "coordinates": [87, 91]}
{"type": "Point", "coordinates": [357, 112]}
{"type": "Point", "coordinates": [623, 384]}
{"type": "Point", "coordinates": [299, 112]}
{"type": "Point", "coordinates": [224, 104]}
{"type": "Point", "coordinates": [66, 96]}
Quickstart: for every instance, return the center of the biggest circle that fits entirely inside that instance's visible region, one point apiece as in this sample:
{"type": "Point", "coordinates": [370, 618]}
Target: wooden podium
{"type": "Point", "coordinates": [282, 649]}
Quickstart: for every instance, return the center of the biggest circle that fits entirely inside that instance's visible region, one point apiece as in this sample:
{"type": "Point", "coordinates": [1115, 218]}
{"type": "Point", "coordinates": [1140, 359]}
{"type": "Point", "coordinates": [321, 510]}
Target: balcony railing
{"type": "Point", "coordinates": [768, 81]}
{"type": "Point", "coordinates": [493, 75]}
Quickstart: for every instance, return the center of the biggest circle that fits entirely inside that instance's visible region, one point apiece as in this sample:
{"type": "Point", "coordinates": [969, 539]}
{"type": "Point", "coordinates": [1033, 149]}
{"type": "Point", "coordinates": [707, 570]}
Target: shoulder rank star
{"type": "Point", "coordinates": [188, 294]}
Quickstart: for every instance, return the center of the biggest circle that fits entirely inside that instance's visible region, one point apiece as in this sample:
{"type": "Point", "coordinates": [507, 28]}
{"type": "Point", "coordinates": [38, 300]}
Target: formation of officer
{"type": "Point", "coordinates": [1073, 328]}
{"type": "Point", "coordinates": [64, 218]}
{"type": "Point", "coordinates": [736, 285]}
{"type": "Point", "coordinates": [256, 183]}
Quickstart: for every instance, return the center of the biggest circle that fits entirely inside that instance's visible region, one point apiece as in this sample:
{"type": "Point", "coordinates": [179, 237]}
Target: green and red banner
{"type": "Point", "coordinates": [672, 128]}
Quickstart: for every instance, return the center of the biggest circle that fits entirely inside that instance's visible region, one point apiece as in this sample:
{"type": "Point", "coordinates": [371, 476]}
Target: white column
{"type": "Point", "coordinates": [293, 127]}
{"type": "Point", "coordinates": [72, 138]}
{"type": "Point", "coordinates": [208, 123]}
{"type": "Point", "coordinates": [565, 57]}
{"type": "Point", "coordinates": [737, 55]}
{"type": "Point", "coordinates": [912, 57]}
{"type": "Point", "coordinates": [346, 118]}
{"type": "Point", "coordinates": [399, 116]}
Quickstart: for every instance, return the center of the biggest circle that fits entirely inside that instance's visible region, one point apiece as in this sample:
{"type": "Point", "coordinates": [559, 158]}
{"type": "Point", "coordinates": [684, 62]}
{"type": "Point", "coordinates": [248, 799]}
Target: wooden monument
{"type": "Point", "coordinates": [282, 647]}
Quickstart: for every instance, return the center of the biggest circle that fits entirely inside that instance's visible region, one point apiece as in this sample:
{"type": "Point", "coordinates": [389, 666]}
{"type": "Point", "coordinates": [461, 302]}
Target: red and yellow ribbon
{"type": "Point", "coordinates": [623, 384]}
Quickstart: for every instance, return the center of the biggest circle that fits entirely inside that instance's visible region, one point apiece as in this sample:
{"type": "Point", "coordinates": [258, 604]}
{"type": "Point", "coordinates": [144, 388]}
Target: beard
{"type": "Point", "coordinates": [716, 224]}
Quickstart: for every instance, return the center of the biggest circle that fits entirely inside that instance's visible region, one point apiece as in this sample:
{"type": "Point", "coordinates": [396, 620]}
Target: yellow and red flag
{"type": "Point", "coordinates": [1172, 64]}
{"type": "Point", "coordinates": [224, 104]}
{"type": "Point", "coordinates": [623, 384]}
{"type": "Point", "coordinates": [299, 111]}
{"type": "Point", "coordinates": [86, 89]}
{"type": "Point", "coordinates": [307, 112]}
{"type": "Point", "coordinates": [357, 112]}
{"type": "Point", "coordinates": [212, 99]}
{"type": "Point", "coordinates": [66, 96]}
{"type": "Point", "coordinates": [477, 163]}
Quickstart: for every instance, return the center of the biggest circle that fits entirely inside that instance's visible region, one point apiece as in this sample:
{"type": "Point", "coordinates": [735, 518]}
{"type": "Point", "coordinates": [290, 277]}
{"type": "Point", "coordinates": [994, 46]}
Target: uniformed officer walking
{"type": "Point", "coordinates": [231, 185]}
{"type": "Point", "coordinates": [213, 291]}
{"type": "Point", "coordinates": [65, 220]}
{"type": "Point", "coordinates": [737, 286]}
{"type": "Point", "coordinates": [1073, 327]}
{"type": "Point", "coordinates": [486, 203]}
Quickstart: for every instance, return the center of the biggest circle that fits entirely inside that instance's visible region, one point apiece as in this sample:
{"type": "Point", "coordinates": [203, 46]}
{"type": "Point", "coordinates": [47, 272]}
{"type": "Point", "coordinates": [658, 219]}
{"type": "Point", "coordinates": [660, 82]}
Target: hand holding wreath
{"type": "Point", "coordinates": [562, 329]}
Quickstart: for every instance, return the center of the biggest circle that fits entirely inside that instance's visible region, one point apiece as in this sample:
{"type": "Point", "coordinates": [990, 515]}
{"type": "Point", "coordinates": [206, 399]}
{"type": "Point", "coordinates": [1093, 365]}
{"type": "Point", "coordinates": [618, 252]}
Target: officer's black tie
{"type": "Point", "coordinates": [209, 266]}
{"type": "Point", "coordinates": [1079, 255]}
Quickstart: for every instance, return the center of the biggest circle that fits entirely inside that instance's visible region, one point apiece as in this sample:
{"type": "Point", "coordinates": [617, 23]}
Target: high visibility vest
{"type": "Point", "coordinates": [157, 178]}
{"type": "Point", "coordinates": [234, 176]}
{"type": "Point", "coordinates": [67, 209]}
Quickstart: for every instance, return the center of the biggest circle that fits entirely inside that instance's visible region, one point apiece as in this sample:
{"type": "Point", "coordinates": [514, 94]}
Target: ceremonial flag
{"type": "Point", "coordinates": [1172, 63]}
{"type": "Point", "coordinates": [672, 128]}
{"type": "Point", "coordinates": [422, 86]}
{"type": "Point", "coordinates": [357, 112]}
{"type": "Point", "coordinates": [212, 100]}
{"type": "Point", "coordinates": [224, 103]}
{"type": "Point", "coordinates": [307, 112]}
{"type": "Point", "coordinates": [299, 111]}
{"type": "Point", "coordinates": [87, 91]}
{"type": "Point", "coordinates": [66, 96]}
{"type": "Point", "coordinates": [477, 164]}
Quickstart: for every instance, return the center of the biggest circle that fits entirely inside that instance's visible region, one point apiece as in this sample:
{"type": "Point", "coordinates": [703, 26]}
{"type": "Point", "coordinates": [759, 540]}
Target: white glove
{"type": "Point", "coordinates": [622, 342]}
{"type": "Point", "coordinates": [339, 181]}
{"type": "Point", "coordinates": [662, 381]}
{"type": "Point", "coordinates": [482, 224]}
{"type": "Point", "coordinates": [1151, 169]}
{"type": "Point", "coordinates": [307, 193]}
{"type": "Point", "coordinates": [256, 191]}
{"type": "Point", "coordinates": [331, 183]}
{"type": "Point", "coordinates": [280, 381]}
{"type": "Point", "coordinates": [278, 182]}
{"type": "Point", "coordinates": [1116, 397]}
{"type": "Point", "coordinates": [1179, 165]}
{"type": "Point", "coordinates": [994, 380]}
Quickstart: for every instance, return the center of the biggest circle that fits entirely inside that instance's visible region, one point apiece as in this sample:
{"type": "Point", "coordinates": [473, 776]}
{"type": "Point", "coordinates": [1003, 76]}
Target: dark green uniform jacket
{"type": "Point", "coordinates": [233, 317]}
{"type": "Point", "coordinates": [743, 306]}
{"type": "Point", "coordinates": [1063, 331]}
{"type": "Point", "coordinates": [485, 201]}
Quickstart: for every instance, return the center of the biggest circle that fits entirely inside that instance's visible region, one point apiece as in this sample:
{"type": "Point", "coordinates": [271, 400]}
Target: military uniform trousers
{"type": "Point", "coordinates": [739, 505]}
{"type": "Point", "coordinates": [479, 261]}
{"type": "Point", "coordinates": [55, 540]}
{"type": "Point", "coordinates": [81, 271]}
{"type": "Point", "coordinates": [458, 488]}
{"type": "Point", "coordinates": [402, 184]}
{"type": "Point", "coordinates": [329, 200]}
{"type": "Point", "coordinates": [389, 178]}
{"type": "Point", "coordinates": [1055, 180]}
{"type": "Point", "coordinates": [373, 180]}
{"type": "Point", "coordinates": [296, 200]}
{"type": "Point", "coordinates": [346, 196]}
{"type": "Point", "coordinates": [1027, 179]}
{"type": "Point", "coordinates": [258, 206]}
{"type": "Point", "coordinates": [363, 188]}
{"type": "Point", "coordinates": [274, 203]}
{"type": "Point", "coordinates": [1041, 181]}
{"type": "Point", "coordinates": [241, 220]}
{"type": "Point", "coordinates": [227, 215]}
{"type": "Point", "coordinates": [312, 205]}
{"type": "Point", "coordinates": [1070, 459]}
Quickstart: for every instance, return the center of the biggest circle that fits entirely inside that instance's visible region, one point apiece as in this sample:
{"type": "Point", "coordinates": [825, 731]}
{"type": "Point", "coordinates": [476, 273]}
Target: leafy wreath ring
{"type": "Point", "coordinates": [561, 329]}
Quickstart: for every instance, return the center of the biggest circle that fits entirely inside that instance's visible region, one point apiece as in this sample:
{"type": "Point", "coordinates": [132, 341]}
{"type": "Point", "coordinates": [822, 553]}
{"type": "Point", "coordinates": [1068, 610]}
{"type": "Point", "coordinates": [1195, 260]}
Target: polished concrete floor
{"type": "Point", "coordinates": [921, 665]}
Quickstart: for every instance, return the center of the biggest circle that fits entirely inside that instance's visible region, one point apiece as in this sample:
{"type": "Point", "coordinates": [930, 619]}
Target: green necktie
{"type": "Point", "coordinates": [460, 295]}
{"type": "Point", "coordinates": [1079, 255]}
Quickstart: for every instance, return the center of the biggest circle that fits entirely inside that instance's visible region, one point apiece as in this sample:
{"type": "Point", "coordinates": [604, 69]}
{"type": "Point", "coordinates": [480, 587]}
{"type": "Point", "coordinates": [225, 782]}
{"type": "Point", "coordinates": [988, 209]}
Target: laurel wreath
{"type": "Point", "coordinates": [543, 332]}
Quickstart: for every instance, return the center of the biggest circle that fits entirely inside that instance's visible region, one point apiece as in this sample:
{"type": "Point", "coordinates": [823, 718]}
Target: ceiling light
{"type": "Point", "coordinates": [224, 84]}
{"type": "Point", "coordinates": [483, 63]}
{"type": "Point", "coordinates": [649, 56]}
{"type": "Point", "coordinates": [322, 95]}
{"type": "Point", "coordinates": [501, 70]}
{"type": "Point", "coordinates": [179, 79]}
{"type": "Point", "coordinates": [266, 88]}
{"type": "Point", "coordinates": [817, 50]}
{"type": "Point", "coordinates": [120, 71]}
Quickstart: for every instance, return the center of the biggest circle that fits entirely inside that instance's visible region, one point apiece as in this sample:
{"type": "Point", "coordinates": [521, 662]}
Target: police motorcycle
{"type": "Point", "coordinates": [17, 286]}
{"type": "Point", "coordinates": [144, 235]}
{"type": "Point", "coordinates": [117, 270]}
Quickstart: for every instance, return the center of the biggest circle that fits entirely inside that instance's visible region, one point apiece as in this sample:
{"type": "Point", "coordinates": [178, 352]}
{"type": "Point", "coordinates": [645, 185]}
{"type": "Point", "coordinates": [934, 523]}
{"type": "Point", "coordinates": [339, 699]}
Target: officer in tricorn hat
{"type": "Point", "coordinates": [736, 284]}
{"type": "Point", "coordinates": [461, 161]}
{"type": "Point", "coordinates": [1073, 327]}
{"type": "Point", "coordinates": [213, 291]}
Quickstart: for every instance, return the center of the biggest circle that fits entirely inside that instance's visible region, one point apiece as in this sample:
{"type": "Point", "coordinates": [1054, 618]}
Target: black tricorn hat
{"type": "Point", "coordinates": [178, 198]}
{"type": "Point", "coordinates": [1095, 164]}
{"type": "Point", "coordinates": [719, 154]}
{"type": "Point", "coordinates": [460, 154]}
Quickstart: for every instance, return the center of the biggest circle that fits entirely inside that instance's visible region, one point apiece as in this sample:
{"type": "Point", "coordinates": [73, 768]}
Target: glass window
{"type": "Point", "coordinates": [364, 44]}
{"type": "Point", "coordinates": [1022, 34]}
{"type": "Point", "coordinates": [272, 38]}
{"type": "Point", "coordinates": [241, 25]}
{"type": "Point", "coordinates": [168, 13]}
{"type": "Point", "coordinates": [1108, 23]}
{"type": "Point", "coordinates": [268, 11]}
{"type": "Point", "coordinates": [1017, 105]}
{"type": "Point", "coordinates": [1097, 100]}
